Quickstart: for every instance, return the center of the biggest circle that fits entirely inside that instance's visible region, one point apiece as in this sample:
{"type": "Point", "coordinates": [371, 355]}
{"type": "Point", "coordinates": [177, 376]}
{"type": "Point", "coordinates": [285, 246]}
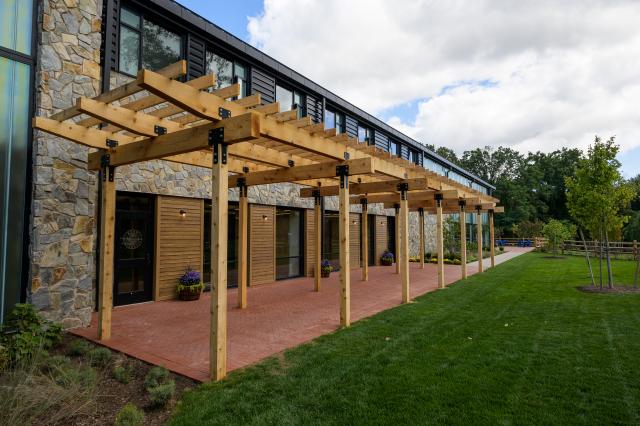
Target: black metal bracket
{"type": "Point", "coordinates": [107, 171]}
{"type": "Point", "coordinates": [291, 163]}
{"type": "Point", "coordinates": [462, 203]}
{"type": "Point", "coordinates": [403, 188]}
{"type": "Point", "coordinates": [491, 211]}
{"type": "Point", "coordinates": [241, 183]}
{"type": "Point", "coordinates": [216, 136]}
{"type": "Point", "coordinates": [112, 173]}
{"type": "Point", "coordinates": [159, 130]}
{"type": "Point", "coordinates": [364, 202]}
{"type": "Point", "coordinates": [478, 208]}
{"type": "Point", "coordinates": [316, 196]}
{"type": "Point", "coordinates": [112, 143]}
{"type": "Point", "coordinates": [342, 171]}
{"type": "Point", "coordinates": [439, 198]}
{"type": "Point", "coordinates": [346, 155]}
{"type": "Point", "coordinates": [224, 113]}
{"type": "Point", "coordinates": [396, 207]}
{"type": "Point", "coordinates": [245, 169]}
{"type": "Point", "coordinates": [420, 211]}
{"type": "Point", "coordinates": [105, 160]}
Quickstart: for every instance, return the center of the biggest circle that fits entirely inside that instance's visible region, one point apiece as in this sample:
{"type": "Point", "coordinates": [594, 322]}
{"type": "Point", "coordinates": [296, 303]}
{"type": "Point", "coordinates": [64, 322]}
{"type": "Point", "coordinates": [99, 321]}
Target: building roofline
{"type": "Point", "coordinates": [214, 30]}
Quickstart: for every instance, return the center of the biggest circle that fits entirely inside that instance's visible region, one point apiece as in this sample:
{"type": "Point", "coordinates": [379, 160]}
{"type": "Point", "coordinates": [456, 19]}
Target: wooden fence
{"type": "Point", "coordinates": [617, 249]}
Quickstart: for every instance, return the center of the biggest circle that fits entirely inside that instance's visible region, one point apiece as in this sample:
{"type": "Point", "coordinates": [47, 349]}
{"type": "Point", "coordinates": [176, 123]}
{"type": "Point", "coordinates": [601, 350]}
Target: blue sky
{"type": "Point", "coordinates": [230, 16]}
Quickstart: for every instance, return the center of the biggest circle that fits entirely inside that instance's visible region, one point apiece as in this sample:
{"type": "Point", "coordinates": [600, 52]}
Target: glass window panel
{"type": "Point", "coordinates": [329, 119]}
{"type": "Point", "coordinates": [232, 245]}
{"type": "Point", "coordinates": [285, 97]}
{"type": "Point", "coordinates": [129, 18]}
{"type": "Point", "coordinates": [393, 148]}
{"type": "Point", "coordinates": [129, 51]}
{"type": "Point", "coordinates": [340, 125]}
{"type": "Point", "coordinates": [161, 47]}
{"type": "Point", "coordinates": [288, 243]}
{"type": "Point", "coordinates": [331, 239]}
{"type": "Point", "coordinates": [15, 25]}
{"type": "Point", "coordinates": [14, 138]}
{"type": "Point", "coordinates": [222, 68]}
{"type": "Point", "coordinates": [241, 72]}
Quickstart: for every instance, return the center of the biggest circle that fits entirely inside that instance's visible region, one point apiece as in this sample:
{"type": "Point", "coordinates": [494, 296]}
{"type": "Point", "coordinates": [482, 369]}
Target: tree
{"type": "Point", "coordinates": [597, 194]}
{"type": "Point", "coordinates": [556, 233]}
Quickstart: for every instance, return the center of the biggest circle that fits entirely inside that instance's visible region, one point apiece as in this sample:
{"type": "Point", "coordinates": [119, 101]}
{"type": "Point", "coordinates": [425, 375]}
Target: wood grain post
{"type": "Point", "coordinates": [345, 278]}
{"type": "Point", "coordinates": [492, 240]}
{"type": "Point", "coordinates": [243, 244]}
{"type": "Point", "coordinates": [440, 241]}
{"type": "Point", "coordinates": [404, 241]}
{"type": "Point", "coordinates": [479, 237]}
{"type": "Point", "coordinates": [421, 214]}
{"type": "Point", "coordinates": [463, 240]}
{"type": "Point", "coordinates": [219, 226]}
{"type": "Point", "coordinates": [397, 236]}
{"type": "Point", "coordinates": [318, 234]}
{"type": "Point", "coordinates": [365, 239]}
{"type": "Point", "coordinates": [107, 248]}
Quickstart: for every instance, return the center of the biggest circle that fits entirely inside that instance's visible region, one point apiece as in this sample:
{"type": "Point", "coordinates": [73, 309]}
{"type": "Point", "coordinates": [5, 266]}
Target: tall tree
{"type": "Point", "coordinates": [597, 194]}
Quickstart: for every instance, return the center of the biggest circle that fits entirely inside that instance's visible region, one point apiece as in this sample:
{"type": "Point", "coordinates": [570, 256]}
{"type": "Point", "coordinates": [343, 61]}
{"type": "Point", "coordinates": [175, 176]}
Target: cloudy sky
{"type": "Point", "coordinates": [533, 75]}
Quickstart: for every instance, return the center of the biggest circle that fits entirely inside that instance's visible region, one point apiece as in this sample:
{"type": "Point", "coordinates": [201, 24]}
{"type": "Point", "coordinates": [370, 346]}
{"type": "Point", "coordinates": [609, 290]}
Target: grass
{"type": "Point", "coordinates": [515, 345]}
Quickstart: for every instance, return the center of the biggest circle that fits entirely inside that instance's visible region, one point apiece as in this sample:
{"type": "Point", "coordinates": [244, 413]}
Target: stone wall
{"type": "Point", "coordinates": [64, 192]}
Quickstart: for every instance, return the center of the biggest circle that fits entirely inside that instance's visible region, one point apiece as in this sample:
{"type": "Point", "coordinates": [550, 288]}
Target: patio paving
{"type": "Point", "coordinates": [279, 315]}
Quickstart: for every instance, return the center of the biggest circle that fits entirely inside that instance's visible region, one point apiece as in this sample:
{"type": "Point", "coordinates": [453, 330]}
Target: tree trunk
{"type": "Point", "coordinates": [609, 271]}
{"type": "Point", "coordinates": [635, 278]}
{"type": "Point", "coordinates": [600, 255]}
{"type": "Point", "coordinates": [586, 253]}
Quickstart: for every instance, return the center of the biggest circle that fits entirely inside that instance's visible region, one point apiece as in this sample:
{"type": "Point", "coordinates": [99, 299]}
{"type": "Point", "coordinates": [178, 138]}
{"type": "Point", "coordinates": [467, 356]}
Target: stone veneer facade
{"type": "Point", "coordinates": [64, 206]}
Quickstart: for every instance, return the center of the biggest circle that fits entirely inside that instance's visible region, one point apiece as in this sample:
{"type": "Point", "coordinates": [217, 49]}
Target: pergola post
{"type": "Point", "coordinates": [243, 243]}
{"type": "Point", "coordinates": [492, 239]}
{"type": "Point", "coordinates": [219, 225]}
{"type": "Point", "coordinates": [479, 237]}
{"type": "Point", "coordinates": [365, 239]}
{"type": "Point", "coordinates": [404, 241]}
{"type": "Point", "coordinates": [318, 234]}
{"type": "Point", "coordinates": [397, 236]}
{"type": "Point", "coordinates": [107, 247]}
{"type": "Point", "coordinates": [440, 241]}
{"type": "Point", "coordinates": [345, 279]}
{"type": "Point", "coordinates": [421, 214]}
{"type": "Point", "coordinates": [463, 240]}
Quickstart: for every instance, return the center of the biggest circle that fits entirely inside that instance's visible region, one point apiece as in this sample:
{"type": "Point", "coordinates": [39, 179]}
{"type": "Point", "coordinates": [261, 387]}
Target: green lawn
{"type": "Point", "coordinates": [518, 344]}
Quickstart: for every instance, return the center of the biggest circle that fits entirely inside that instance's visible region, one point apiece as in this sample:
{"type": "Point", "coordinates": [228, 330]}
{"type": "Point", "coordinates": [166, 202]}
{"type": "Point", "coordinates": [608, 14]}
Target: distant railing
{"type": "Point", "coordinates": [516, 242]}
{"type": "Point", "coordinates": [617, 249]}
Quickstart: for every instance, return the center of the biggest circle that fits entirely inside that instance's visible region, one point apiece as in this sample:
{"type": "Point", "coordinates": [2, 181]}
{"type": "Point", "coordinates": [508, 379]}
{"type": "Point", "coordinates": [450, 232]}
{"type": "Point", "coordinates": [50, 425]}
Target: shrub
{"type": "Point", "coordinates": [457, 261]}
{"type": "Point", "coordinates": [99, 357]}
{"type": "Point", "coordinates": [129, 415]}
{"type": "Point", "coordinates": [69, 377]}
{"type": "Point", "coordinates": [156, 376]}
{"type": "Point", "coordinates": [56, 362]}
{"type": "Point", "coordinates": [161, 394]}
{"type": "Point", "coordinates": [501, 248]}
{"type": "Point", "coordinates": [325, 266]}
{"type": "Point", "coordinates": [5, 358]}
{"type": "Point", "coordinates": [122, 374]}
{"type": "Point", "coordinates": [78, 347]}
{"type": "Point", "coordinates": [387, 256]}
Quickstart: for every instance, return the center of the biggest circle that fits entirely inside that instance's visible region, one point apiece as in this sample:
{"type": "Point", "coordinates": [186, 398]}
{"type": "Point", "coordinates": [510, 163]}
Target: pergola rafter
{"type": "Point", "coordinates": [244, 143]}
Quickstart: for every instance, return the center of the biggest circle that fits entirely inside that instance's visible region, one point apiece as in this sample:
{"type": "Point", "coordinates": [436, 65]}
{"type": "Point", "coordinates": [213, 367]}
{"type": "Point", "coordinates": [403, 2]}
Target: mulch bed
{"type": "Point", "coordinates": [607, 290]}
{"type": "Point", "coordinates": [113, 395]}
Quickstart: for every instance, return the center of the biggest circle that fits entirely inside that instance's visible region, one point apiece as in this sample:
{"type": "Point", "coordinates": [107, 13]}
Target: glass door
{"type": "Point", "coordinates": [289, 243]}
{"type": "Point", "coordinates": [133, 275]}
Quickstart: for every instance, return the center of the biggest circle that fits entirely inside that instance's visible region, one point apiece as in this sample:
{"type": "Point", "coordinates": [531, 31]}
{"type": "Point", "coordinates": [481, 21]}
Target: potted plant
{"type": "Point", "coordinates": [387, 258]}
{"type": "Point", "coordinates": [325, 269]}
{"type": "Point", "coordinates": [190, 286]}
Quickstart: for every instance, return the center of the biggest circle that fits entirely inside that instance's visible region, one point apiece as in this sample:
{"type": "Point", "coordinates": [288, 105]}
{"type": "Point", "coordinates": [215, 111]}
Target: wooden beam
{"type": "Point", "coordinates": [318, 233]}
{"type": "Point", "coordinates": [93, 138]}
{"type": "Point", "coordinates": [404, 242]}
{"type": "Point", "coordinates": [370, 187]}
{"type": "Point", "coordinates": [415, 198]}
{"type": "Point", "coordinates": [440, 245]}
{"type": "Point", "coordinates": [397, 236]}
{"type": "Point", "coordinates": [249, 101]}
{"type": "Point", "coordinates": [492, 241]}
{"type": "Point", "coordinates": [268, 109]}
{"type": "Point", "coordinates": [107, 249]}
{"type": "Point", "coordinates": [365, 242]}
{"type": "Point", "coordinates": [243, 244]}
{"type": "Point", "coordinates": [345, 267]}
{"type": "Point", "coordinates": [171, 71]}
{"type": "Point", "coordinates": [133, 121]}
{"type": "Point", "coordinates": [236, 129]}
{"type": "Point", "coordinates": [463, 242]}
{"type": "Point", "coordinates": [313, 171]}
{"type": "Point", "coordinates": [479, 238]}
{"type": "Point", "coordinates": [421, 216]}
{"type": "Point", "coordinates": [219, 227]}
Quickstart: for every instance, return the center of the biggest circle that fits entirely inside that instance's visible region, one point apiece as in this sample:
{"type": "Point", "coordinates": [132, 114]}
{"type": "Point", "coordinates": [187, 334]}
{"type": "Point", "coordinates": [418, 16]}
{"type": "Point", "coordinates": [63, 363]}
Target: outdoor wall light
{"type": "Point", "coordinates": [265, 217]}
{"type": "Point", "coordinates": [183, 213]}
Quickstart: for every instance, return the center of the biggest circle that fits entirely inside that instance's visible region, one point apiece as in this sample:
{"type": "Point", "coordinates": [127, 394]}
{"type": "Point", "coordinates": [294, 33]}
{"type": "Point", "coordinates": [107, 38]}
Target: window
{"type": "Point", "coordinates": [394, 149]}
{"type": "Point", "coordinates": [15, 25]}
{"type": "Point", "coordinates": [365, 134]}
{"type": "Point", "coordinates": [334, 120]}
{"type": "Point", "coordinates": [232, 244]}
{"type": "Point", "coordinates": [289, 244]}
{"type": "Point", "coordinates": [415, 157]}
{"type": "Point", "coordinates": [291, 99]}
{"type": "Point", "coordinates": [144, 44]}
{"type": "Point", "coordinates": [227, 72]}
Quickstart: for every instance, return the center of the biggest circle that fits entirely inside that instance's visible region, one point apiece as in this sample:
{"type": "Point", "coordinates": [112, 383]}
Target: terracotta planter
{"type": "Point", "coordinates": [386, 262]}
{"type": "Point", "coordinates": [188, 294]}
{"type": "Point", "coordinates": [325, 274]}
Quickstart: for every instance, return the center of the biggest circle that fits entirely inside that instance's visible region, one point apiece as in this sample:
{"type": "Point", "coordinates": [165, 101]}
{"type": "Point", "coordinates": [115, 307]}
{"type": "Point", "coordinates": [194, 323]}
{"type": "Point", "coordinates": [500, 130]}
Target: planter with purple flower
{"type": "Point", "coordinates": [190, 286]}
{"type": "Point", "coordinates": [387, 258]}
{"type": "Point", "coordinates": [325, 269]}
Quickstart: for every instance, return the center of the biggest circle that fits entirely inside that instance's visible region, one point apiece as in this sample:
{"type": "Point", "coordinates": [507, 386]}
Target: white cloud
{"type": "Point", "coordinates": [561, 72]}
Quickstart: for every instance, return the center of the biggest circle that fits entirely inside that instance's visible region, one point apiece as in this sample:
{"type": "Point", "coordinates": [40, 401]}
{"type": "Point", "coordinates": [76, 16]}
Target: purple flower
{"type": "Point", "coordinates": [190, 277]}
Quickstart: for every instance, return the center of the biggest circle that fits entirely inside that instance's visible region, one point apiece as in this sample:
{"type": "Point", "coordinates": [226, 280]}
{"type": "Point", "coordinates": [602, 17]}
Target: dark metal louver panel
{"type": "Point", "coordinates": [263, 83]}
{"type": "Point", "coordinates": [110, 26]}
{"type": "Point", "coordinates": [352, 126]}
{"type": "Point", "coordinates": [314, 109]}
{"type": "Point", "coordinates": [196, 57]}
{"type": "Point", "coordinates": [381, 140]}
{"type": "Point", "coordinates": [404, 152]}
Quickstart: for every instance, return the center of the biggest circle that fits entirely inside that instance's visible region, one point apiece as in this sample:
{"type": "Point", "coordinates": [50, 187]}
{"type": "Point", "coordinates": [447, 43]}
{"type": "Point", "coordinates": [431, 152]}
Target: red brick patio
{"type": "Point", "coordinates": [280, 315]}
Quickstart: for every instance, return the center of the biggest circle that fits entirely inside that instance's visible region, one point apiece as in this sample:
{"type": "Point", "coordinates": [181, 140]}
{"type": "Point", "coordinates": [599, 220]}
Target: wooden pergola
{"type": "Point", "coordinates": [245, 143]}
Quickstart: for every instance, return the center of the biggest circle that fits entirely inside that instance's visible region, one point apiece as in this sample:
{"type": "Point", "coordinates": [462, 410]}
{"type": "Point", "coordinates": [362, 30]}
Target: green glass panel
{"type": "Point", "coordinates": [129, 18]}
{"type": "Point", "coordinates": [15, 25]}
{"type": "Point", "coordinates": [129, 51]}
{"type": "Point", "coordinates": [160, 46]}
{"type": "Point", "coordinates": [14, 138]}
